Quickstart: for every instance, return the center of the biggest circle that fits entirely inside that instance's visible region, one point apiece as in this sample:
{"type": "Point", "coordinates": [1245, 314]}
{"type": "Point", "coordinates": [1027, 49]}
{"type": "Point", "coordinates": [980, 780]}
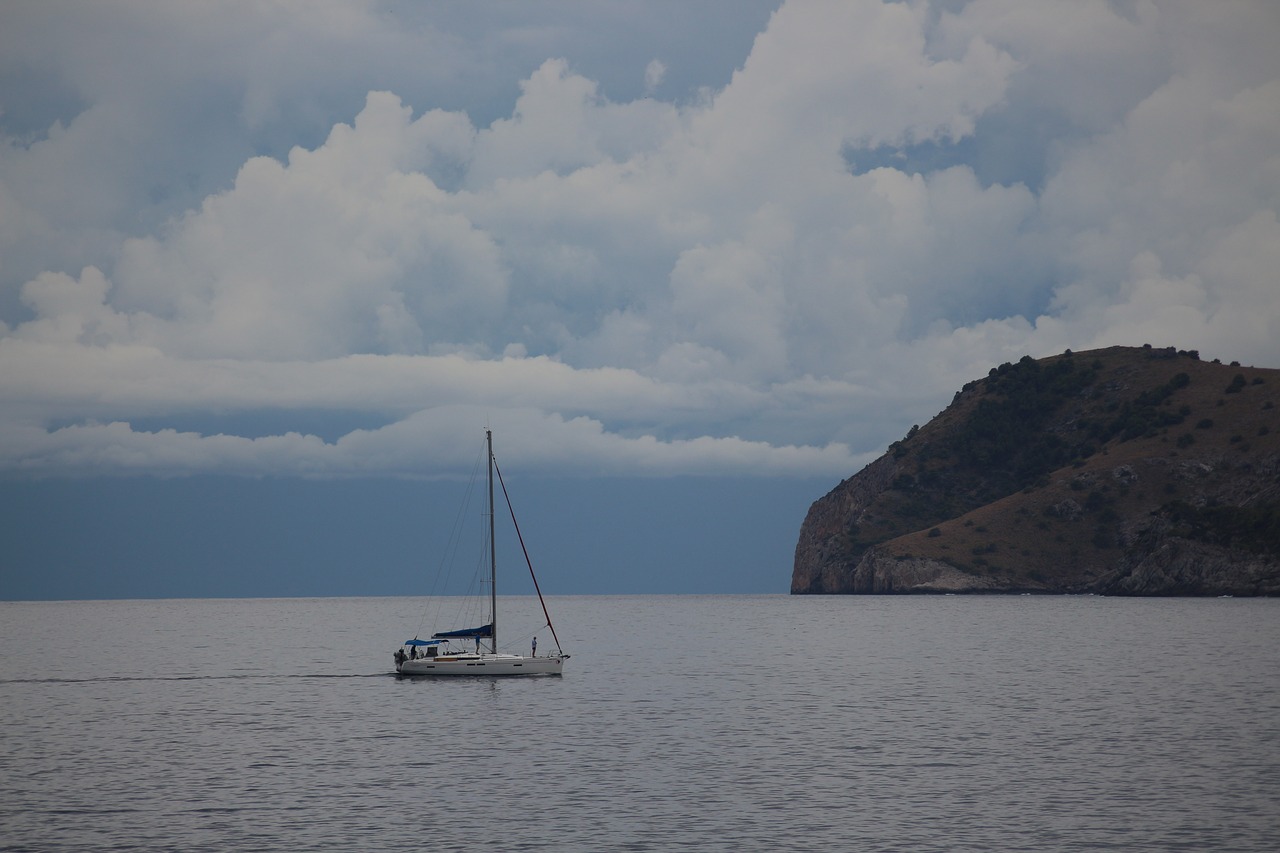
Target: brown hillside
{"type": "Point", "coordinates": [1122, 471]}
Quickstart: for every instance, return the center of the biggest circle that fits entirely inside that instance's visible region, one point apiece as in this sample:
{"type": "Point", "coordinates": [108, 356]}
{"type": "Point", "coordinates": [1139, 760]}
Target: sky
{"type": "Point", "coordinates": [269, 269]}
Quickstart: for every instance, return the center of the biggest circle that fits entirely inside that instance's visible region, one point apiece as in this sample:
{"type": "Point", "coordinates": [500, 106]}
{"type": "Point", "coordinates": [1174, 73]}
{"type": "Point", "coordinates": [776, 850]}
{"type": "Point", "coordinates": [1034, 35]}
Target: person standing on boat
{"type": "Point", "coordinates": [535, 648]}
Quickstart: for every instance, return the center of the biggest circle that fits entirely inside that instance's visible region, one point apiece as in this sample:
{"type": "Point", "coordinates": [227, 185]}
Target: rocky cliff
{"type": "Point", "coordinates": [1123, 471]}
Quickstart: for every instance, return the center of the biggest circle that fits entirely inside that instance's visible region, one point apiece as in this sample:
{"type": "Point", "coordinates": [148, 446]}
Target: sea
{"type": "Point", "coordinates": [702, 723]}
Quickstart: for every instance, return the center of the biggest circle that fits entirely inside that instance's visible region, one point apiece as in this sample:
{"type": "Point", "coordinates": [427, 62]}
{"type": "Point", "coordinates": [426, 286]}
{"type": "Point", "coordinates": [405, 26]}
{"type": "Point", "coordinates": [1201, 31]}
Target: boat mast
{"type": "Point", "coordinates": [493, 557]}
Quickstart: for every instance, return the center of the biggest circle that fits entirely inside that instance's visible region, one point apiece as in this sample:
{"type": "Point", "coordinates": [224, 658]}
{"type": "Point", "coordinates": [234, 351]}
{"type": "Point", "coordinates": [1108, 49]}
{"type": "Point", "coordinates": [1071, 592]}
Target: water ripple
{"type": "Point", "coordinates": [956, 724]}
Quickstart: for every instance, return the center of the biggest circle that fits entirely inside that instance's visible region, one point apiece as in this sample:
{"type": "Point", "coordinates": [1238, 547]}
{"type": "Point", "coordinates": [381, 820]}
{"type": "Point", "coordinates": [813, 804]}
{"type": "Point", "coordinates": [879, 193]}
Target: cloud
{"type": "Point", "coordinates": [776, 277]}
{"type": "Point", "coordinates": [425, 444]}
{"type": "Point", "coordinates": [653, 74]}
{"type": "Point", "coordinates": [348, 248]}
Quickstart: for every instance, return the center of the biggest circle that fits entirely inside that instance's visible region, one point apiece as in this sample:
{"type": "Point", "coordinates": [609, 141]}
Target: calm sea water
{"type": "Point", "coordinates": [697, 723]}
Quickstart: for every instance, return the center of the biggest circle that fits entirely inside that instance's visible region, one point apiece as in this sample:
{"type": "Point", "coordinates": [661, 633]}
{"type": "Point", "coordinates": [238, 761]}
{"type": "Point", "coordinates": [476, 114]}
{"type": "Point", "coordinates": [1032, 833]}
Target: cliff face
{"type": "Point", "coordinates": [1124, 471]}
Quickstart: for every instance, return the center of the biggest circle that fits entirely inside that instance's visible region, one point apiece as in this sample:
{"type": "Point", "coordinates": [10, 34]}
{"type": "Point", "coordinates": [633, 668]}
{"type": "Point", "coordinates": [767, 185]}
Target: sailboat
{"type": "Point", "coordinates": [443, 653]}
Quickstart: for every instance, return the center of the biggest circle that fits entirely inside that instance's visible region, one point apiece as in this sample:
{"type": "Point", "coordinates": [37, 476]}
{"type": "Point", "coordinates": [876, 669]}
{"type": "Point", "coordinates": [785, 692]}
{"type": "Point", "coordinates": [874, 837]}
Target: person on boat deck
{"type": "Point", "coordinates": [477, 645]}
{"type": "Point", "coordinates": [413, 653]}
{"type": "Point", "coordinates": [535, 647]}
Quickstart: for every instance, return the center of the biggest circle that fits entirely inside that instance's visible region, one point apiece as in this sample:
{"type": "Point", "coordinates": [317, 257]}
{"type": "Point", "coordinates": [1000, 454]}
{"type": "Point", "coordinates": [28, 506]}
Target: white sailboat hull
{"type": "Point", "coordinates": [483, 664]}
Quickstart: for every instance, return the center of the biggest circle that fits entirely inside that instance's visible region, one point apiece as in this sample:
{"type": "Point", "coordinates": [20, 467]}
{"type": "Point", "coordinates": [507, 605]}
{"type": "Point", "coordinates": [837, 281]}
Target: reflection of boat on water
{"type": "Point", "coordinates": [444, 654]}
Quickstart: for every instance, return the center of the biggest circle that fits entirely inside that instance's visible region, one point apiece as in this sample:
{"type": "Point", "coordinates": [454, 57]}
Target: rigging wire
{"type": "Point", "coordinates": [434, 604]}
{"type": "Point", "coordinates": [469, 607]}
{"type": "Point", "coordinates": [527, 561]}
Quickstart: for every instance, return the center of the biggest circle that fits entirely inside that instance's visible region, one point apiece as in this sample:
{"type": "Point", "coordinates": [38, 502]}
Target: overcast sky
{"type": "Point", "coordinates": [303, 243]}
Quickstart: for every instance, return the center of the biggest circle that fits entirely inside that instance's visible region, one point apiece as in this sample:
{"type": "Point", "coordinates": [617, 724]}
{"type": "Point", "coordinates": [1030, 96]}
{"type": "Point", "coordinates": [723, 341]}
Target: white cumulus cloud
{"type": "Point", "coordinates": [774, 275]}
